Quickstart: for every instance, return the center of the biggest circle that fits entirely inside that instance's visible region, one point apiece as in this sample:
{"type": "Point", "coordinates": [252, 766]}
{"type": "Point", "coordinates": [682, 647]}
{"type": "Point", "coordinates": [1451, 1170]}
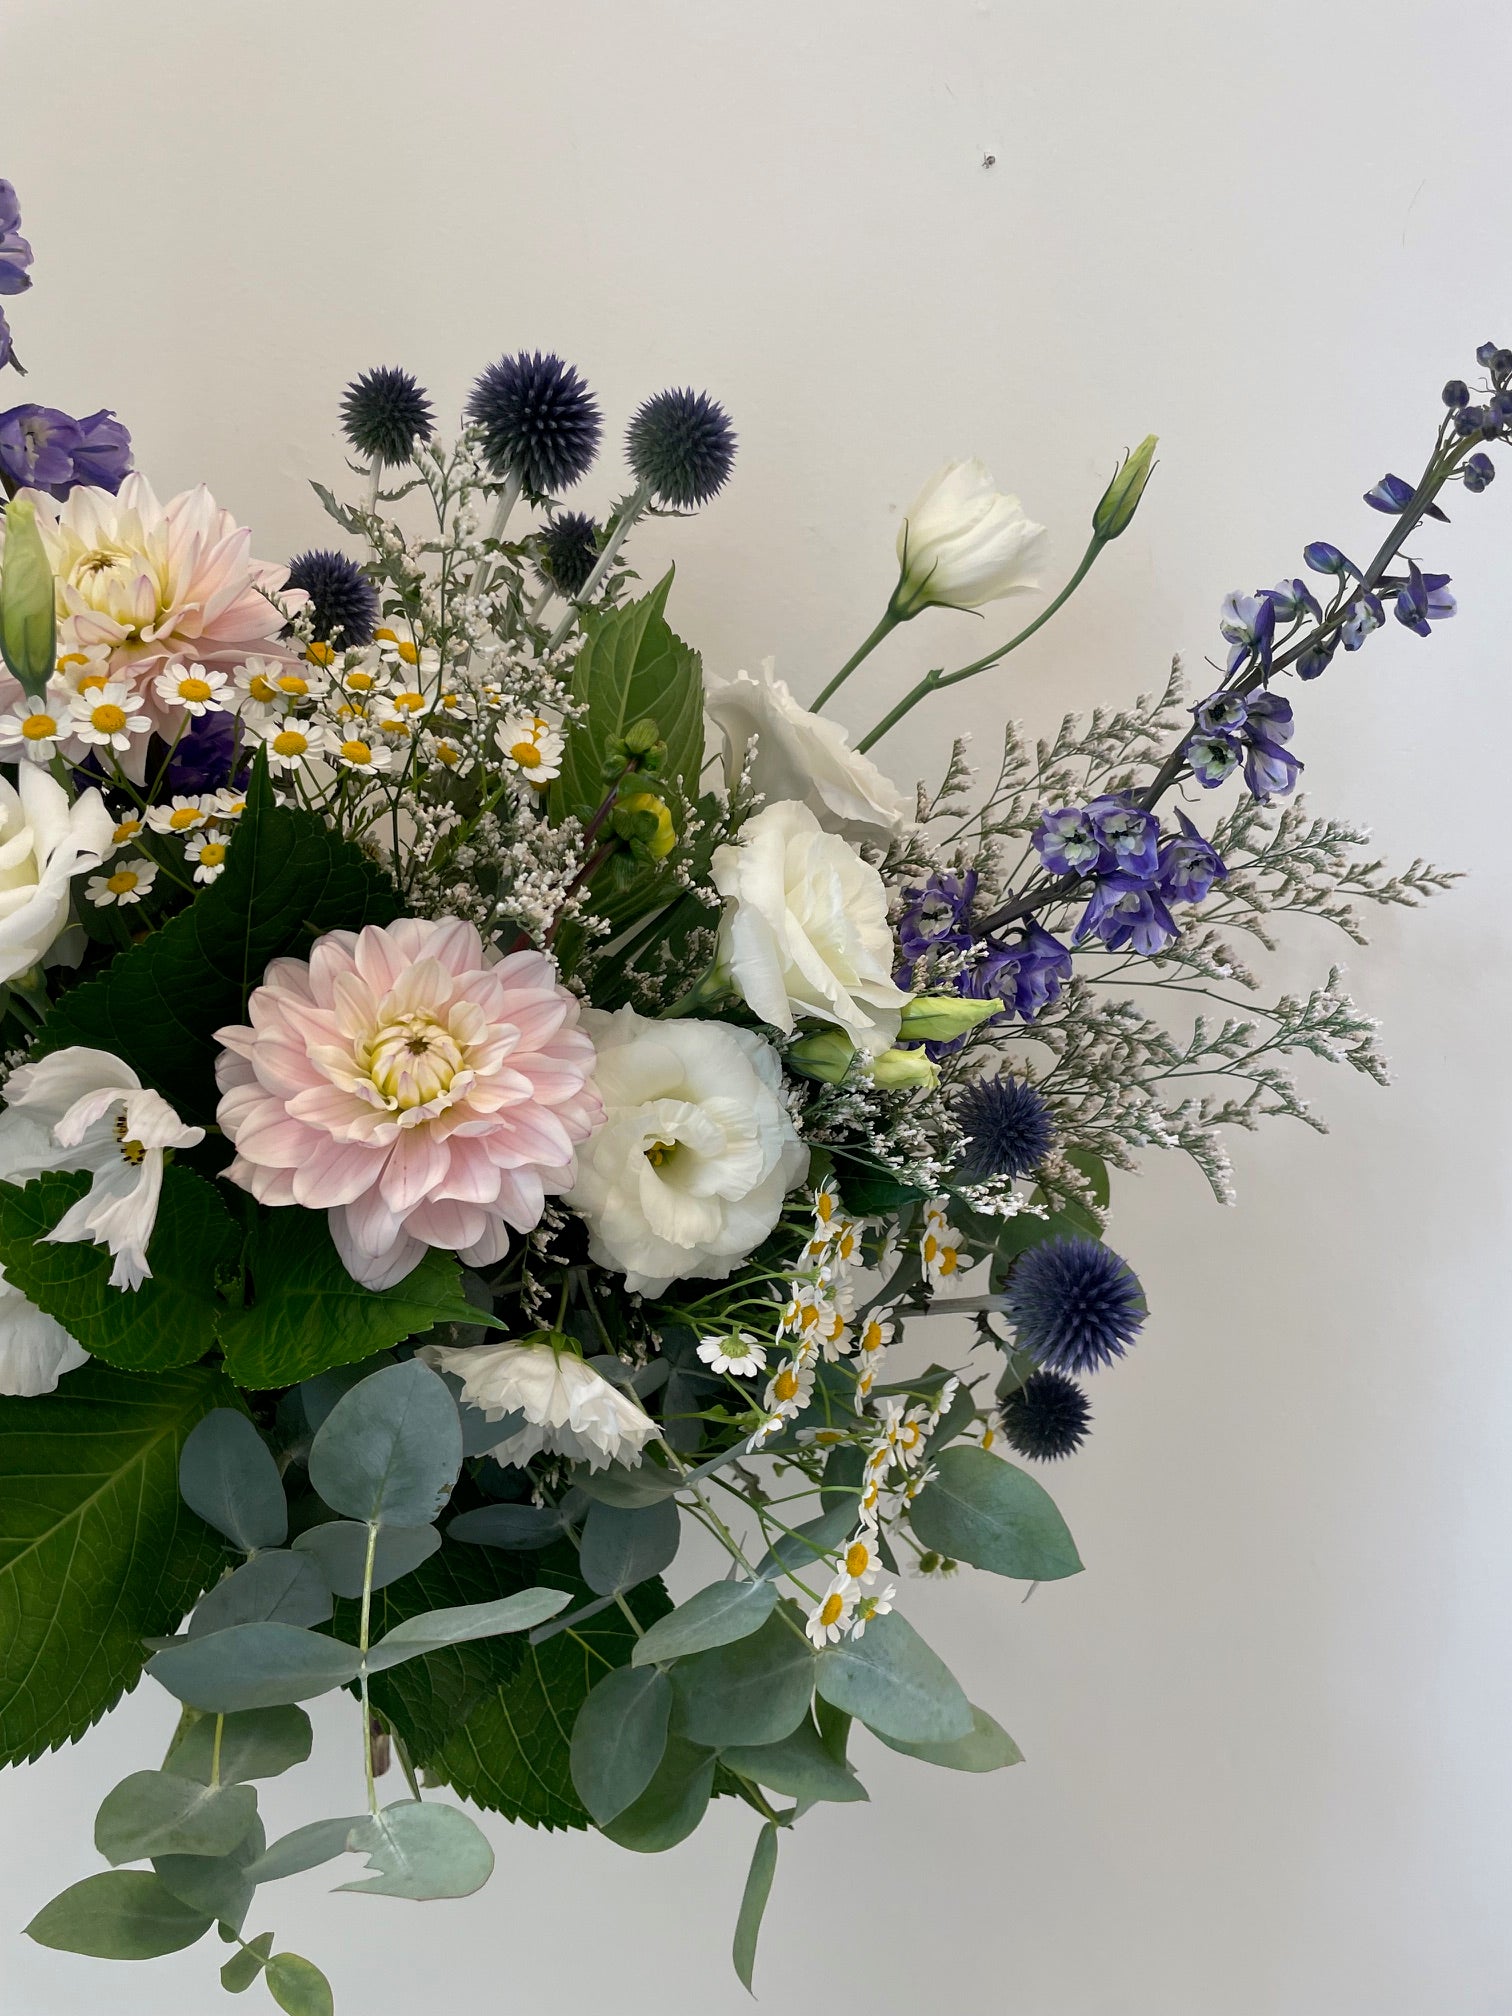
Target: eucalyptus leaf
{"type": "Point", "coordinates": [672, 1804]}
{"type": "Point", "coordinates": [257, 1743]}
{"type": "Point", "coordinates": [305, 1848]}
{"type": "Point", "coordinates": [753, 1690]}
{"type": "Point", "coordinates": [421, 1851]}
{"type": "Point", "coordinates": [718, 1615]}
{"type": "Point", "coordinates": [339, 1548]}
{"type": "Point", "coordinates": [227, 1474]}
{"type": "Point", "coordinates": [243, 1968]}
{"type": "Point", "coordinates": [986, 1512]}
{"type": "Point", "coordinates": [159, 1813]}
{"type": "Point", "coordinates": [799, 1766]}
{"type": "Point", "coordinates": [279, 1587]}
{"type": "Point", "coordinates": [623, 1545]}
{"type": "Point", "coordinates": [298, 1986]}
{"type": "Point", "coordinates": [890, 1680]}
{"type": "Point", "coordinates": [618, 1485]}
{"type": "Point", "coordinates": [619, 1738]}
{"type": "Point", "coordinates": [389, 1451]}
{"type": "Point", "coordinates": [433, 1630]}
{"type": "Point", "coordinates": [524, 1527]}
{"type": "Point", "coordinates": [254, 1666]}
{"type": "Point", "coordinates": [753, 1903]}
{"type": "Point", "coordinates": [218, 1884]}
{"type": "Point", "coordinates": [987, 1748]}
{"type": "Point", "coordinates": [122, 1914]}
{"type": "Point", "coordinates": [813, 1542]}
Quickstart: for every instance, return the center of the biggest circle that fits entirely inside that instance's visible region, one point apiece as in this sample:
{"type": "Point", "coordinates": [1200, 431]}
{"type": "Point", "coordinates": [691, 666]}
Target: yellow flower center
{"type": "Point", "coordinates": [93, 683]}
{"type": "Point", "coordinates": [261, 687]}
{"type": "Point", "coordinates": [409, 703]}
{"type": "Point", "coordinates": [289, 742]}
{"type": "Point", "coordinates": [409, 653]}
{"type": "Point", "coordinates": [293, 682]}
{"type": "Point", "coordinates": [123, 882]}
{"type": "Point", "coordinates": [660, 1153]}
{"type": "Point", "coordinates": [131, 1151]}
{"type": "Point", "coordinates": [949, 1259]}
{"type": "Point", "coordinates": [831, 1609]}
{"type": "Point", "coordinates": [72, 658]}
{"type": "Point", "coordinates": [127, 830]}
{"type": "Point", "coordinates": [108, 719]}
{"type": "Point", "coordinates": [183, 817]}
{"type": "Point", "coordinates": [411, 1060]}
{"type": "Point", "coordinates": [357, 751]}
{"type": "Point", "coordinates": [37, 727]}
{"type": "Point", "coordinates": [526, 754]}
{"type": "Point", "coordinates": [785, 1386]}
{"type": "Point", "coordinates": [193, 688]}
{"type": "Point", "coordinates": [212, 854]}
{"type": "Point", "coordinates": [448, 753]}
{"type": "Point", "coordinates": [857, 1558]}
{"type": "Point", "coordinates": [360, 682]}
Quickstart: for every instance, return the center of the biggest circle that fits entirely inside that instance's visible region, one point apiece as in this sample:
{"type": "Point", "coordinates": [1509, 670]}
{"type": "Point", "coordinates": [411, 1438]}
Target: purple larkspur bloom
{"type": "Point", "coordinates": [1291, 599]}
{"type": "Point", "coordinates": [1125, 915]}
{"type": "Point", "coordinates": [103, 455]}
{"type": "Point", "coordinates": [1042, 966]}
{"type": "Point", "coordinates": [1249, 624]}
{"type": "Point", "coordinates": [1220, 714]}
{"type": "Point", "coordinates": [37, 446]}
{"type": "Point", "coordinates": [1423, 600]}
{"type": "Point", "coordinates": [207, 756]}
{"type": "Point", "coordinates": [938, 917]}
{"type": "Point", "coordinates": [15, 252]}
{"type": "Point", "coordinates": [5, 345]}
{"type": "Point", "coordinates": [1211, 758]}
{"type": "Point", "coordinates": [1129, 836]}
{"type": "Point", "coordinates": [1066, 841]}
{"type": "Point", "coordinates": [1326, 559]}
{"type": "Point", "coordinates": [1189, 864]}
{"type": "Point", "coordinates": [1478, 471]}
{"type": "Point", "coordinates": [1393, 494]}
{"type": "Point", "coordinates": [1365, 614]}
{"type": "Point", "coordinates": [1315, 660]}
{"type": "Point", "coordinates": [1270, 769]}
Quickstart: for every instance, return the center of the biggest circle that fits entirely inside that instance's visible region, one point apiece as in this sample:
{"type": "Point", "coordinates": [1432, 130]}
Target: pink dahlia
{"type": "Point", "coordinates": [419, 1092]}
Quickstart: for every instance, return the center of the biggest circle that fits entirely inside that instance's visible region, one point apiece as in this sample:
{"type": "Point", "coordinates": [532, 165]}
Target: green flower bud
{"type": "Point", "coordinates": [940, 1018]}
{"type": "Point", "coordinates": [642, 819]}
{"type": "Point", "coordinates": [28, 618]}
{"type": "Point", "coordinates": [1120, 500]}
{"type": "Point", "coordinates": [902, 1070]}
{"type": "Point", "coordinates": [640, 747]}
{"type": "Point", "coordinates": [825, 1054]}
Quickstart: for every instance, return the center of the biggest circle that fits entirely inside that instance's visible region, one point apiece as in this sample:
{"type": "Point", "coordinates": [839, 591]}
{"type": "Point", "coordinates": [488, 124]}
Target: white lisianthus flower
{"type": "Point", "coordinates": [569, 1409]}
{"type": "Point", "coordinates": [805, 929]}
{"type": "Point", "coordinates": [801, 756]}
{"type": "Point", "coordinates": [964, 543]}
{"type": "Point", "coordinates": [687, 1175]}
{"type": "Point", "coordinates": [35, 1351]}
{"type": "Point", "coordinates": [44, 842]}
{"type": "Point", "coordinates": [84, 1109]}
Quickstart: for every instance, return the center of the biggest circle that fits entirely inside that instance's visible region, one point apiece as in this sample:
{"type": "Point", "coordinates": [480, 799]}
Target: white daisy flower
{"type": "Point", "coordinates": [32, 727]}
{"type": "Point", "coordinates": [940, 1247]}
{"type": "Point", "coordinates": [127, 884]}
{"type": "Point", "coordinates": [180, 815]}
{"type": "Point", "coordinates": [128, 829]}
{"type": "Point", "coordinates": [873, 1606]}
{"type": "Point", "coordinates": [404, 651]}
{"type": "Point", "coordinates": [208, 855]}
{"type": "Point", "coordinates": [407, 701]}
{"type": "Point", "coordinates": [737, 1352]}
{"type": "Point", "coordinates": [369, 676]}
{"type": "Point", "coordinates": [789, 1390]}
{"type": "Point", "coordinates": [830, 1618]}
{"type": "Point", "coordinates": [569, 1409]}
{"type": "Point", "coordinates": [229, 804]}
{"type": "Point", "coordinates": [860, 1563]}
{"type": "Point", "coordinates": [291, 743]}
{"type": "Point", "coordinates": [357, 754]}
{"type": "Point", "coordinates": [256, 688]}
{"type": "Point", "coordinates": [532, 745]}
{"type": "Point", "coordinates": [195, 688]}
{"type": "Point", "coordinates": [449, 753]}
{"type": "Point", "coordinates": [106, 717]}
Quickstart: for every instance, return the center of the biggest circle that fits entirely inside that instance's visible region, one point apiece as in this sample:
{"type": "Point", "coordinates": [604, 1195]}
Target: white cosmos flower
{"type": "Point", "coordinates": [687, 1175]}
{"type": "Point", "coordinates": [801, 755]}
{"type": "Point", "coordinates": [964, 543]}
{"type": "Point", "coordinates": [44, 842]}
{"type": "Point", "coordinates": [569, 1409]}
{"type": "Point", "coordinates": [84, 1109]}
{"type": "Point", "coordinates": [805, 929]}
{"type": "Point", "coordinates": [35, 1350]}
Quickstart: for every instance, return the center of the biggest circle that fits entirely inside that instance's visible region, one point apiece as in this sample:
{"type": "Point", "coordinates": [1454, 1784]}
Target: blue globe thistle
{"type": "Point", "coordinates": [384, 413]}
{"type": "Point", "coordinates": [682, 446]}
{"type": "Point", "coordinates": [1074, 1304]}
{"type": "Point", "coordinates": [1007, 1125]}
{"type": "Point", "coordinates": [567, 550]}
{"type": "Point", "coordinates": [1047, 1417]}
{"type": "Point", "coordinates": [343, 602]}
{"type": "Point", "coordinates": [539, 421]}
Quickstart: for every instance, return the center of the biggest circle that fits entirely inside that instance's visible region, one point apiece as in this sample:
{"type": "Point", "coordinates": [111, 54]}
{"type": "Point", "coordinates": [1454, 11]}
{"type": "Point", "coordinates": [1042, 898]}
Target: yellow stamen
{"type": "Point", "coordinates": [192, 688]}
{"type": "Point", "coordinates": [72, 658]}
{"type": "Point", "coordinates": [262, 688]}
{"type": "Point", "coordinates": [289, 742]}
{"type": "Point", "coordinates": [526, 754]}
{"type": "Point", "coordinates": [293, 682]}
{"type": "Point", "coordinates": [320, 654]}
{"type": "Point", "coordinates": [785, 1386]}
{"type": "Point", "coordinates": [857, 1558]}
{"type": "Point", "coordinates": [409, 652]}
{"type": "Point", "coordinates": [37, 727]}
{"type": "Point", "coordinates": [212, 854]}
{"type": "Point", "coordinates": [123, 882]}
{"type": "Point", "coordinates": [833, 1605]}
{"type": "Point", "coordinates": [108, 719]}
{"type": "Point", "coordinates": [357, 752]}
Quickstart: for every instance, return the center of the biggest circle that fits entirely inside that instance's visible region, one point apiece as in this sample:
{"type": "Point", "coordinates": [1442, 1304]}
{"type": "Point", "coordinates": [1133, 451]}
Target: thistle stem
{"type": "Point", "coordinates": [637, 503]}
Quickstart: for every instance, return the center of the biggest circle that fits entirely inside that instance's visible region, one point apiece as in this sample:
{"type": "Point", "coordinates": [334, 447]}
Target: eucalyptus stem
{"type": "Point", "coordinates": [215, 1754]}
{"type": "Point", "coordinates": [362, 1646]}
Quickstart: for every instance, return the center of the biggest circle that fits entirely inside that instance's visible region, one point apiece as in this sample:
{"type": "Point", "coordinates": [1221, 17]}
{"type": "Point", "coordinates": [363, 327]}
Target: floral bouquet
{"type": "Point", "coordinates": [482, 1098]}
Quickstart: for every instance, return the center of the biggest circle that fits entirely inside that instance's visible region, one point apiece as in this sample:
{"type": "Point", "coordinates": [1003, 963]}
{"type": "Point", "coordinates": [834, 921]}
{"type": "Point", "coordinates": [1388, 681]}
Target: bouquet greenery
{"type": "Point", "coordinates": [482, 1097]}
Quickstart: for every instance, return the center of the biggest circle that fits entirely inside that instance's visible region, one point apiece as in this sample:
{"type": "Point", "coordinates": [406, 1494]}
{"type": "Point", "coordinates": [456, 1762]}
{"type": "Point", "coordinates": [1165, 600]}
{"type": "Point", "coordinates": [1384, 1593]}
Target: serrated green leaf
{"type": "Point", "coordinates": [243, 1968]}
{"type": "Point", "coordinates": [123, 1914]}
{"type": "Point", "coordinates": [253, 1666]}
{"type": "Point", "coordinates": [257, 1743]}
{"type": "Point", "coordinates": [672, 1804]}
{"type": "Point", "coordinates": [754, 1690]}
{"type": "Point", "coordinates": [159, 1813]}
{"type": "Point", "coordinates": [891, 1680]}
{"type": "Point", "coordinates": [308, 1314]}
{"type": "Point", "coordinates": [986, 1512]}
{"type": "Point", "coordinates": [718, 1615]}
{"type": "Point", "coordinates": [421, 1850]}
{"type": "Point", "coordinates": [227, 1474]}
{"type": "Point", "coordinates": [288, 878]}
{"type": "Point", "coordinates": [619, 1739]}
{"type": "Point", "coordinates": [171, 1319]}
{"type": "Point", "coordinates": [97, 1549]}
{"type": "Point", "coordinates": [389, 1451]}
{"type": "Point", "coordinates": [298, 1986]}
{"type": "Point", "coordinates": [987, 1748]}
{"type": "Point", "coordinates": [753, 1903]}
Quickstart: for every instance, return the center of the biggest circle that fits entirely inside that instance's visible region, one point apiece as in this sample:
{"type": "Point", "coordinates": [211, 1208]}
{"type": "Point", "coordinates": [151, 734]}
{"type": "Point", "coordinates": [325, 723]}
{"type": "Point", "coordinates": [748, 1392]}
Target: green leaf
{"type": "Point", "coordinates": [339, 1551]}
{"type": "Point", "coordinates": [305, 1848]}
{"type": "Point", "coordinates": [646, 1484]}
{"type": "Point", "coordinates": [97, 1549]}
{"type": "Point", "coordinates": [243, 1968]}
{"type": "Point", "coordinates": [298, 1986]}
{"type": "Point", "coordinates": [622, 1546]}
{"type": "Point", "coordinates": [421, 1851]}
{"type": "Point", "coordinates": [509, 1526]}
{"type": "Point", "coordinates": [253, 1666]}
{"type": "Point", "coordinates": [987, 1748]}
{"type": "Point", "coordinates": [890, 1680]}
{"type": "Point", "coordinates": [279, 1587]}
{"type": "Point", "coordinates": [390, 1450]}
{"type": "Point", "coordinates": [1095, 1170]}
{"type": "Point", "coordinates": [287, 880]}
{"type": "Point", "coordinates": [753, 1903]}
{"type": "Point", "coordinates": [754, 1690]}
{"type": "Point", "coordinates": [123, 1914]}
{"type": "Point", "coordinates": [986, 1512]}
{"type": "Point", "coordinates": [432, 1630]}
{"type": "Point", "coordinates": [171, 1319]}
{"type": "Point", "coordinates": [619, 1739]}
{"type": "Point", "coordinates": [813, 1542]}
{"type": "Point", "coordinates": [799, 1765]}
{"type": "Point", "coordinates": [257, 1743]}
{"type": "Point", "coordinates": [227, 1474]}
{"type": "Point", "coordinates": [308, 1314]}
{"type": "Point", "coordinates": [672, 1804]}
{"type": "Point", "coordinates": [718, 1615]}
{"type": "Point", "coordinates": [218, 1884]}
{"type": "Point", "coordinates": [159, 1813]}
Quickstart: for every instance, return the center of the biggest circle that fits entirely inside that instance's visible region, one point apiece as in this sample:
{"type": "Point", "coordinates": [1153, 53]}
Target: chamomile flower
{"type": "Point", "coordinates": [208, 853]}
{"type": "Point", "coordinates": [449, 753]}
{"type": "Point", "coordinates": [180, 815]}
{"type": "Point", "coordinates": [834, 1333]}
{"type": "Point", "coordinates": [127, 884]}
{"type": "Point", "coordinates": [790, 1389]}
{"type": "Point", "coordinates": [303, 680]}
{"type": "Point", "coordinates": [404, 651]}
{"type": "Point", "coordinates": [229, 804]}
{"type": "Point", "coordinates": [940, 1248]}
{"type": "Point", "coordinates": [107, 717]}
{"type": "Point", "coordinates": [876, 1335]}
{"type": "Point", "coordinates": [31, 729]}
{"type": "Point", "coordinates": [827, 1209]}
{"type": "Point", "coordinates": [532, 745]}
{"type": "Point", "coordinates": [256, 685]}
{"type": "Point", "coordinates": [291, 743]}
{"type": "Point", "coordinates": [198, 689]}
{"type": "Point", "coordinates": [873, 1606]}
{"type": "Point", "coordinates": [369, 676]}
{"type": "Point", "coordinates": [737, 1351]}
{"type": "Point", "coordinates": [369, 758]}
{"type": "Point", "coordinates": [128, 827]}
{"type": "Point", "coordinates": [407, 701]}
{"type": "Point", "coordinates": [860, 1563]}
{"type": "Point", "coordinates": [831, 1616]}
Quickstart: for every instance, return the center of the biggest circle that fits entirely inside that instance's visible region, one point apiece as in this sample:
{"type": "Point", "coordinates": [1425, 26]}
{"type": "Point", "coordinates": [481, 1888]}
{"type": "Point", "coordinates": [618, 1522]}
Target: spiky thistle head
{"type": "Point", "coordinates": [682, 447]}
{"type": "Point", "coordinates": [539, 421]}
{"type": "Point", "coordinates": [567, 550]}
{"type": "Point", "coordinates": [1007, 1126]}
{"type": "Point", "coordinates": [384, 413]}
{"type": "Point", "coordinates": [1074, 1304]}
{"type": "Point", "coordinates": [1046, 1418]}
{"type": "Point", "coordinates": [343, 602]}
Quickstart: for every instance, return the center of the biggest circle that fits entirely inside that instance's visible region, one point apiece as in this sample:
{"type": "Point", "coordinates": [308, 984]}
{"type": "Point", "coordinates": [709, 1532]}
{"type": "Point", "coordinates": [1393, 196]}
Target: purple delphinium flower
{"type": "Point", "coordinates": [1189, 864]}
{"type": "Point", "coordinates": [5, 343]}
{"type": "Point", "coordinates": [37, 446]}
{"type": "Point", "coordinates": [1393, 494]}
{"type": "Point", "coordinates": [938, 917]}
{"type": "Point", "coordinates": [1365, 615]}
{"type": "Point", "coordinates": [1326, 559]}
{"type": "Point", "coordinates": [1270, 770]}
{"type": "Point", "coordinates": [1042, 966]}
{"type": "Point", "coordinates": [15, 253]}
{"type": "Point", "coordinates": [1220, 713]}
{"type": "Point", "coordinates": [1316, 659]}
{"type": "Point", "coordinates": [1291, 599]}
{"type": "Point", "coordinates": [1211, 758]}
{"type": "Point", "coordinates": [1478, 471]}
{"type": "Point", "coordinates": [103, 455]}
{"type": "Point", "coordinates": [1423, 600]}
{"type": "Point", "coordinates": [1249, 624]}
{"type": "Point", "coordinates": [207, 756]}
{"type": "Point", "coordinates": [1066, 841]}
{"type": "Point", "coordinates": [1124, 913]}
{"type": "Point", "coordinates": [1129, 836]}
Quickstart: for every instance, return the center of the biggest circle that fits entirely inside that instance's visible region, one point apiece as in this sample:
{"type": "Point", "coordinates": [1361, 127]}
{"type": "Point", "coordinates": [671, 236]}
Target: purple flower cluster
{"type": "Point", "coordinates": [43, 449]}
{"type": "Point", "coordinates": [1135, 873]}
{"type": "Point", "coordinates": [1025, 975]}
{"type": "Point", "coordinates": [1248, 728]}
{"type": "Point", "coordinates": [15, 261]}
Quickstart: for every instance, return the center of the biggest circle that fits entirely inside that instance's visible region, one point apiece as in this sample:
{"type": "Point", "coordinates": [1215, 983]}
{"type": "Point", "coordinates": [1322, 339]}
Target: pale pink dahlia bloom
{"type": "Point", "coordinates": [418, 1091]}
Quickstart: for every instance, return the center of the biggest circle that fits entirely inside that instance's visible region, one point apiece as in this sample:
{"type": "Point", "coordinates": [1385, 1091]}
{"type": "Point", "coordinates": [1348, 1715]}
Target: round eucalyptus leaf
{"type": "Point", "coordinates": [799, 1766]}
{"type": "Point", "coordinates": [520, 1527]}
{"type": "Point", "coordinates": [159, 1813]}
{"type": "Point", "coordinates": [890, 1680]}
{"type": "Point", "coordinates": [421, 1851]}
{"type": "Point", "coordinates": [717, 1615]}
{"type": "Point", "coordinates": [227, 1474]}
{"type": "Point", "coordinates": [254, 1666]}
{"type": "Point", "coordinates": [257, 1743]}
{"type": "Point", "coordinates": [618, 1739]}
{"type": "Point", "coordinates": [218, 1884]}
{"type": "Point", "coordinates": [121, 1914]}
{"type": "Point", "coordinates": [752, 1691]}
{"type": "Point", "coordinates": [988, 1747]}
{"type": "Point", "coordinates": [672, 1804]}
{"type": "Point", "coordinates": [989, 1513]}
{"type": "Point", "coordinates": [623, 1545]}
{"type": "Point", "coordinates": [279, 1587]}
{"type": "Point", "coordinates": [462, 1623]}
{"type": "Point", "coordinates": [390, 1449]}
{"type": "Point", "coordinates": [340, 1546]}
{"type": "Point", "coordinates": [298, 1986]}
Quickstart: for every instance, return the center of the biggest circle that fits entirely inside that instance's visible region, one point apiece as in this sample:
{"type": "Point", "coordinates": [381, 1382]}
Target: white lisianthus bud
{"type": "Point", "coordinates": [964, 543]}
{"type": "Point", "coordinates": [904, 1070]}
{"type": "Point", "coordinates": [940, 1018]}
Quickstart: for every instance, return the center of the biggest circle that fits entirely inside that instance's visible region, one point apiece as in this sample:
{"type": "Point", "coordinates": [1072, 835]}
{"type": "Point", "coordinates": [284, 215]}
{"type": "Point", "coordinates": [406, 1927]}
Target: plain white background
{"type": "Point", "coordinates": [1268, 1771]}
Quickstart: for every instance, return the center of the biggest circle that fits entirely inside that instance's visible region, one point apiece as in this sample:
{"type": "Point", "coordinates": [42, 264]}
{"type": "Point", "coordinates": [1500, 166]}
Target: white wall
{"type": "Point", "coordinates": [1269, 1772]}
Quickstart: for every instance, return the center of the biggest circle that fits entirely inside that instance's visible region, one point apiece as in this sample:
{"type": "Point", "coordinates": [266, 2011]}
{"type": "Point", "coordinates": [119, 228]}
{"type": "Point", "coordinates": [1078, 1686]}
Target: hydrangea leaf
{"type": "Point", "coordinates": [287, 880]}
{"type": "Point", "coordinates": [307, 1314]}
{"type": "Point", "coordinates": [257, 1743]}
{"type": "Point", "coordinates": [986, 1512]}
{"type": "Point", "coordinates": [753, 1903]}
{"type": "Point", "coordinates": [891, 1680]}
{"type": "Point", "coordinates": [619, 1739]}
{"type": "Point", "coordinates": [171, 1319]}
{"type": "Point", "coordinates": [122, 1914]}
{"type": "Point", "coordinates": [390, 1450]}
{"type": "Point", "coordinates": [227, 1474]}
{"type": "Point", "coordinates": [421, 1850]}
{"type": "Point", "coordinates": [160, 1813]}
{"type": "Point", "coordinates": [97, 1549]}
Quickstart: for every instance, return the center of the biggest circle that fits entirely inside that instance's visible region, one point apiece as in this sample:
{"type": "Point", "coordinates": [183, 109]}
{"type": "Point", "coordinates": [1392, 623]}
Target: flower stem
{"type": "Point", "coordinates": [362, 1646]}
{"type": "Point", "coordinates": [890, 621]}
{"type": "Point", "coordinates": [637, 503]}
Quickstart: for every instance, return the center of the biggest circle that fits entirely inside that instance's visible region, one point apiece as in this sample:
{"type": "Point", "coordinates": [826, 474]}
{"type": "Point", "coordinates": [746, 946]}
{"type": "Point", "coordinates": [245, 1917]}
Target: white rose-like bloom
{"type": "Point", "coordinates": [44, 843]}
{"type": "Point", "coordinates": [805, 929]}
{"type": "Point", "coordinates": [687, 1175]}
{"type": "Point", "coordinates": [802, 756]}
{"type": "Point", "coordinates": [35, 1350]}
{"type": "Point", "coordinates": [569, 1409]}
{"type": "Point", "coordinates": [964, 543]}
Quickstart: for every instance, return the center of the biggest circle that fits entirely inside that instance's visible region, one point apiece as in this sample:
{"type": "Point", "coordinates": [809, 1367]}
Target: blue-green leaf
{"type": "Point", "coordinates": [987, 1748]}
{"type": "Point", "coordinates": [227, 1474]}
{"type": "Point", "coordinates": [123, 1914]}
{"type": "Point", "coordinates": [306, 1847]}
{"type": "Point", "coordinates": [159, 1813]}
{"type": "Point", "coordinates": [339, 1548]}
{"type": "Point", "coordinates": [753, 1690]}
{"type": "Point", "coordinates": [434, 1630]}
{"type": "Point", "coordinates": [890, 1680]}
{"type": "Point", "coordinates": [279, 1587]}
{"type": "Point", "coordinates": [619, 1739]}
{"type": "Point", "coordinates": [718, 1615]}
{"type": "Point", "coordinates": [257, 1743]}
{"type": "Point", "coordinates": [623, 1545]}
{"type": "Point", "coordinates": [389, 1451]}
{"type": "Point", "coordinates": [421, 1851]}
{"type": "Point", "coordinates": [799, 1766]}
{"type": "Point", "coordinates": [243, 1968]}
{"type": "Point", "coordinates": [986, 1512]}
{"type": "Point", "coordinates": [298, 1986]}
{"type": "Point", "coordinates": [254, 1666]}
{"type": "Point", "coordinates": [753, 1903]}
